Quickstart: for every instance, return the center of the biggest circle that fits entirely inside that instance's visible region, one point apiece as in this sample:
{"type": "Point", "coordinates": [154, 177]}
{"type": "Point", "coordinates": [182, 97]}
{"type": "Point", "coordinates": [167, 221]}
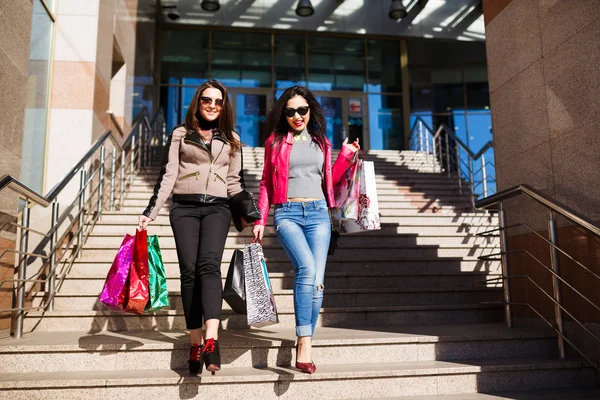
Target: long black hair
{"type": "Point", "coordinates": [276, 122]}
{"type": "Point", "coordinates": [193, 118]}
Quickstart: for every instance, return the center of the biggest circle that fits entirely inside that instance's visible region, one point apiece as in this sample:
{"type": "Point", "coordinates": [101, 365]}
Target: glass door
{"type": "Point", "coordinates": [345, 114]}
{"type": "Point", "coordinates": [250, 112]}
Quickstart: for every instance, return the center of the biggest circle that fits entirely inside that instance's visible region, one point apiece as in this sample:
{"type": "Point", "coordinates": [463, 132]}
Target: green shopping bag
{"type": "Point", "coordinates": [157, 279]}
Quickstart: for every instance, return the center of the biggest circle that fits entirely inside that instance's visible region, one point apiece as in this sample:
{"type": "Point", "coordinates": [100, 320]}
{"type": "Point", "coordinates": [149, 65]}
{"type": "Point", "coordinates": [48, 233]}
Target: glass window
{"type": "Point", "coordinates": [290, 61]}
{"type": "Point", "coordinates": [241, 59]}
{"type": "Point", "coordinates": [336, 63]}
{"type": "Point", "coordinates": [184, 55]}
{"type": "Point", "coordinates": [386, 129]}
{"type": "Point", "coordinates": [36, 109]}
{"type": "Point", "coordinates": [385, 72]}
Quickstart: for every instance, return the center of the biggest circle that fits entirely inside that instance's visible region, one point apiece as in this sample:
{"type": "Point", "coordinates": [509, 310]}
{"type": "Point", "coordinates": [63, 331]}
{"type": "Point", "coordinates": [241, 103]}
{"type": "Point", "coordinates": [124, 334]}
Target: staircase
{"type": "Point", "coordinates": [406, 313]}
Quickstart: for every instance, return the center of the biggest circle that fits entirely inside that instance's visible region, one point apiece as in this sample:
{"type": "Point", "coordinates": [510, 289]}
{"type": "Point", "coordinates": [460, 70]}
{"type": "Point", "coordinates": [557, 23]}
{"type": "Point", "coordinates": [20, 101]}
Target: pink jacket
{"type": "Point", "coordinates": [274, 182]}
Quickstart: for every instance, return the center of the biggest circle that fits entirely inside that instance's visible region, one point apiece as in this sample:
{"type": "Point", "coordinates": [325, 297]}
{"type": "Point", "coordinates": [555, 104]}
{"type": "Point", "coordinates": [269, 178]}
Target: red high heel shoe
{"type": "Point", "coordinates": [308, 368]}
{"type": "Point", "coordinates": [212, 355]}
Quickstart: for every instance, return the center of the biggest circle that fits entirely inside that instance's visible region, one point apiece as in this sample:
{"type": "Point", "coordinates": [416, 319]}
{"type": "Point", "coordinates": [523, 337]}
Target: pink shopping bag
{"type": "Point", "coordinates": [116, 289]}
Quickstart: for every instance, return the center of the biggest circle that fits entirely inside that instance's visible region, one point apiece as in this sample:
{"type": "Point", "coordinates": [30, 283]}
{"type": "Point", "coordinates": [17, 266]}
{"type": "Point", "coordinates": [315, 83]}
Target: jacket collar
{"type": "Point", "coordinates": [196, 138]}
{"type": "Point", "coordinates": [289, 139]}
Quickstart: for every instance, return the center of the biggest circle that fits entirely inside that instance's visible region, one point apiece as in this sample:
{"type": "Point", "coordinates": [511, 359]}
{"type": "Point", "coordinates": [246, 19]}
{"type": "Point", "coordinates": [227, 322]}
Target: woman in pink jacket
{"type": "Point", "coordinates": [298, 179]}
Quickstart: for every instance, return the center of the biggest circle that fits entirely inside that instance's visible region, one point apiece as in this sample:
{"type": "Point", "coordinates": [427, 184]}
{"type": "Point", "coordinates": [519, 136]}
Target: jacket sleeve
{"type": "Point", "coordinates": [344, 159]}
{"type": "Point", "coordinates": [266, 185]}
{"type": "Point", "coordinates": [167, 175]}
{"type": "Point", "coordinates": [235, 174]}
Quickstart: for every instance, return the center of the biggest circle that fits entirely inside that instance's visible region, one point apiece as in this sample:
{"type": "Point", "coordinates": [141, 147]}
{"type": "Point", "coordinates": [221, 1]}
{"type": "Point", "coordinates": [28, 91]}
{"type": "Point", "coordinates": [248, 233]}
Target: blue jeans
{"type": "Point", "coordinates": [304, 230]}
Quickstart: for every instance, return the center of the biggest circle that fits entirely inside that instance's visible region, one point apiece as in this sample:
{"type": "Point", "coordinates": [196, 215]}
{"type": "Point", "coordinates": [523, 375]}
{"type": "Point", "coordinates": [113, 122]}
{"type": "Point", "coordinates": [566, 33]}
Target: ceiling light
{"type": "Point", "coordinates": [304, 8]}
{"type": "Point", "coordinates": [397, 10]}
{"type": "Point", "coordinates": [172, 12]}
{"type": "Point", "coordinates": [210, 5]}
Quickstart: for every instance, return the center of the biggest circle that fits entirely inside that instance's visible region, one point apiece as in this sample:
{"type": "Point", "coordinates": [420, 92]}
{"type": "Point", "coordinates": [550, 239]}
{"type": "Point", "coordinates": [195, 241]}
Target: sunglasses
{"type": "Point", "coordinates": [207, 101]}
{"type": "Point", "coordinates": [290, 112]}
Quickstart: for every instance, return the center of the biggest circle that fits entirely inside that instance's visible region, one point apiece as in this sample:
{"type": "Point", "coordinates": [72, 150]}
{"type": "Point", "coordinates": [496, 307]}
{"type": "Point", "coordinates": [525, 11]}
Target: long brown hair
{"type": "Point", "coordinates": [277, 124]}
{"type": "Point", "coordinates": [225, 120]}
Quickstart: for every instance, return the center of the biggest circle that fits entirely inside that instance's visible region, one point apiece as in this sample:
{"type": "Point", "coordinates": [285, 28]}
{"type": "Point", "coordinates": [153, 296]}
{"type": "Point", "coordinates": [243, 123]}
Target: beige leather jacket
{"type": "Point", "coordinates": [193, 172]}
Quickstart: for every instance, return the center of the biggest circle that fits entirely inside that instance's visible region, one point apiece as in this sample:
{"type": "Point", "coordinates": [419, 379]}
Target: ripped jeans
{"type": "Point", "coordinates": [304, 231]}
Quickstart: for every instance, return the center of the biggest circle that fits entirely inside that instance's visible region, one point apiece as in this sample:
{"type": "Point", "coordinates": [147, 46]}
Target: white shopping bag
{"type": "Point", "coordinates": [368, 207]}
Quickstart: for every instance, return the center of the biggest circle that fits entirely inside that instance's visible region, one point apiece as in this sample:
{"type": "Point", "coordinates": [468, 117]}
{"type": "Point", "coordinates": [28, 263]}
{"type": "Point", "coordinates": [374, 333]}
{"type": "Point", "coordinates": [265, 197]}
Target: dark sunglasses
{"type": "Point", "coordinates": [290, 112]}
{"type": "Point", "coordinates": [207, 101]}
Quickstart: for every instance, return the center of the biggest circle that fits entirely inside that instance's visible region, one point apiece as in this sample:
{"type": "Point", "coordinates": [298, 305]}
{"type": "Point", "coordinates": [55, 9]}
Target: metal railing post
{"type": "Point", "coordinates": [131, 164]}
{"type": "Point", "coordinates": [448, 154]}
{"type": "Point", "coordinates": [471, 180]}
{"type": "Point", "coordinates": [483, 176]}
{"type": "Point", "coordinates": [53, 250]}
{"type": "Point", "coordinates": [434, 146]}
{"type": "Point", "coordinates": [420, 136]}
{"type": "Point", "coordinates": [146, 145]}
{"type": "Point", "coordinates": [556, 286]}
{"type": "Point", "coordinates": [112, 178]}
{"type": "Point", "coordinates": [82, 186]}
{"type": "Point", "coordinates": [426, 144]}
{"type": "Point", "coordinates": [459, 171]}
{"type": "Point", "coordinates": [505, 267]}
{"type": "Point", "coordinates": [22, 272]}
{"type": "Point", "coordinates": [101, 182]}
{"type": "Point", "coordinates": [122, 189]}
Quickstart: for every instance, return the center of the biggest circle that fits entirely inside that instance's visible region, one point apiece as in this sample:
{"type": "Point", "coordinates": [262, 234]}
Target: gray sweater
{"type": "Point", "coordinates": [306, 168]}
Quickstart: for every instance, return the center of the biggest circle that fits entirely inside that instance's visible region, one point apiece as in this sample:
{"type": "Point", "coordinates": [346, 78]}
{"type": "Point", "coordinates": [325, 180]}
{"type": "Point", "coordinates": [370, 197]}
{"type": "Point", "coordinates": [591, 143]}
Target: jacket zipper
{"type": "Point", "coordinates": [196, 174]}
{"type": "Point", "coordinates": [212, 163]}
{"type": "Point", "coordinates": [275, 176]}
{"type": "Point", "coordinates": [219, 178]}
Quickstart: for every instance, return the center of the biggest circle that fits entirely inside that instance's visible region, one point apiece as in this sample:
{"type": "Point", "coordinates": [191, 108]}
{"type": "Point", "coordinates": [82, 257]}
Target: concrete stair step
{"type": "Point", "coordinates": [414, 229]}
{"type": "Point", "coordinates": [405, 270]}
{"type": "Point", "coordinates": [271, 347]}
{"type": "Point", "coordinates": [554, 394]}
{"type": "Point", "coordinates": [335, 281]}
{"type": "Point", "coordinates": [473, 219]}
{"type": "Point", "coordinates": [355, 254]}
{"type": "Point", "coordinates": [347, 242]}
{"type": "Point", "coordinates": [335, 298]}
{"type": "Point", "coordinates": [343, 380]}
{"type": "Point", "coordinates": [96, 321]}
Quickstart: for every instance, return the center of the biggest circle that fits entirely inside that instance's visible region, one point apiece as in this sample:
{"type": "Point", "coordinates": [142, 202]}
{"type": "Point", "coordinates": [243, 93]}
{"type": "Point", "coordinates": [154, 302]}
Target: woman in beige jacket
{"type": "Point", "coordinates": [202, 168]}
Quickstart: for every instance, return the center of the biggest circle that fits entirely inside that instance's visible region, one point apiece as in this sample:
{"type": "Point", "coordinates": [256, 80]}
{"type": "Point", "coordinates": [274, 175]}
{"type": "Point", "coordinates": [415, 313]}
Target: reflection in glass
{"type": "Point", "coordinates": [332, 109]}
{"type": "Point", "coordinates": [36, 109]}
{"type": "Point", "coordinates": [241, 60]}
{"type": "Point", "coordinates": [250, 115]}
{"type": "Point", "coordinates": [290, 61]}
{"type": "Point", "coordinates": [386, 130]}
{"type": "Point", "coordinates": [385, 72]}
{"type": "Point", "coordinates": [336, 63]}
{"type": "Point", "coordinates": [184, 55]}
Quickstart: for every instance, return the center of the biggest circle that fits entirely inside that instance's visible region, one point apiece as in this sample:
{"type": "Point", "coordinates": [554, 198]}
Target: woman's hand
{"type": "Point", "coordinates": [143, 222]}
{"type": "Point", "coordinates": [353, 147]}
{"type": "Point", "coordinates": [258, 231]}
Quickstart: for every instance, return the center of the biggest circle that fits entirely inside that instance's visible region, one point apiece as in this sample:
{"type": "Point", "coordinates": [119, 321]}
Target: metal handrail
{"type": "Point", "coordinates": [135, 150]}
{"type": "Point", "coordinates": [12, 183]}
{"type": "Point", "coordinates": [424, 139]}
{"type": "Point", "coordinates": [544, 200]}
{"type": "Point", "coordinates": [555, 208]}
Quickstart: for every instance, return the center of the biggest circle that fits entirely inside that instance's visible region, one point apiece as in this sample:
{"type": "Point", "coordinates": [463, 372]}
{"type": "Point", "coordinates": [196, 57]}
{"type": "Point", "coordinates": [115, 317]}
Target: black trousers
{"type": "Point", "coordinates": [200, 231]}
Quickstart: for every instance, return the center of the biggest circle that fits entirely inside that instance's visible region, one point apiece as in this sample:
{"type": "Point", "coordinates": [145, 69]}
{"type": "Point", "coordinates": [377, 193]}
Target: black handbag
{"type": "Point", "coordinates": [334, 241]}
{"type": "Point", "coordinates": [234, 292]}
{"type": "Point", "coordinates": [243, 205]}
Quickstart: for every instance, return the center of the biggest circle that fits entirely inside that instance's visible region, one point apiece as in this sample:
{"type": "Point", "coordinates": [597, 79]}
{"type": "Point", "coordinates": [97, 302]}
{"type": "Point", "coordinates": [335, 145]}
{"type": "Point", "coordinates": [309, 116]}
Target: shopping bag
{"type": "Point", "coordinates": [234, 292]}
{"type": "Point", "coordinates": [346, 192]}
{"type": "Point", "coordinates": [115, 291]}
{"type": "Point", "coordinates": [368, 206]}
{"type": "Point", "coordinates": [260, 302]}
{"type": "Point", "coordinates": [157, 279]}
{"type": "Point", "coordinates": [138, 275]}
